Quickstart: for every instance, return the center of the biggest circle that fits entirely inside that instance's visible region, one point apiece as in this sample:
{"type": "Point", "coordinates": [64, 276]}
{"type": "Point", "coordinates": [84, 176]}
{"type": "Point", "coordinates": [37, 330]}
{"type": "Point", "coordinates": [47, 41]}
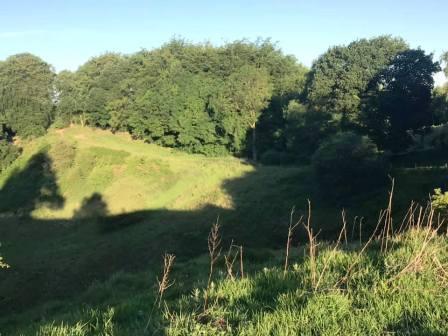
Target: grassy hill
{"type": "Point", "coordinates": [85, 216]}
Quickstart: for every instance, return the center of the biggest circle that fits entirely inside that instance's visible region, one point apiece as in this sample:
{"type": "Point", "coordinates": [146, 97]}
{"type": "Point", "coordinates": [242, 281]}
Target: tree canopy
{"type": "Point", "coordinates": [195, 97]}
{"type": "Point", "coordinates": [339, 78]}
{"type": "Point", "coordinates": [400, 98]}
{"type": "Point", "coordinates": [444, 59]}
{"type": "Point", "coordinates": [241, 98]}
{"type": "Point", "coordinates": [26, 95]}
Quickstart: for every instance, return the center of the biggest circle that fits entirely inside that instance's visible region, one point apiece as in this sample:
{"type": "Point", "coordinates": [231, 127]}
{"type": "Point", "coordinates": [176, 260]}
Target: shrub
{"type": "Point", "coordinates": [273, 157]}
{"type": "Point", "coordinates": [440, 200]}
{"type": "Point", "coordinates": [8, 153]}
{"type": "Point", "coordinates": [347, 163]}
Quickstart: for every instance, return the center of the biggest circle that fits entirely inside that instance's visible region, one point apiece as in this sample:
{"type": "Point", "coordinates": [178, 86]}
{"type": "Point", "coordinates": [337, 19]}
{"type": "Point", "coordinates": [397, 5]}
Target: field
{"type": "Point", "coordinates": [86, 216]}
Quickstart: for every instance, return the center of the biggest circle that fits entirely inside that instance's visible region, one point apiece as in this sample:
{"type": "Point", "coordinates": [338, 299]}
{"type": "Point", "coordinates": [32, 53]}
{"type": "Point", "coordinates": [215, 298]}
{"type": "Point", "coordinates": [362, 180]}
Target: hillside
{"type": "Point", "coordinates": [81, 205]}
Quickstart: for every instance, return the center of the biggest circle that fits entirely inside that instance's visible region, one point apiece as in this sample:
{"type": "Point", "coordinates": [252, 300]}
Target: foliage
{"type": "Point", "coordinates": [376, 299]}
{"type": "Point", "coordinates": [273, 157]}
{"type": "Point", "coordinates": [306, 129]}
{"type": "Point", "coordinates": [444, 59]}
{"type": "Point", "coordinates": [195, 97]}
{"type": "Point", "coordinates": [239, 107]}
{"type": "Point", "coordinates": [440, 200]}
{"type": "Point", "coordinates": [399, 99]}
{"type": "Point", "coordinates": [339, 78]}
{"type": "Point", "coordinates": [439, 105]}
{"type": "Point", "coordinates": [71, 98]}
{"type": "Point", "coordinates": [26, 95]}
{"type": "Point", "coordinates": [240, 98]}
{"type": "Point", "coordinates": [347, 163]}
{"type": "Point", "coordinates": [8, 153]}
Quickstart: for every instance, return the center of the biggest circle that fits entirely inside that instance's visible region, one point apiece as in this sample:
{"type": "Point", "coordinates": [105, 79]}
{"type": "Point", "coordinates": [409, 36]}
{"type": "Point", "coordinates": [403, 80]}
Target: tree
{"type": "Point", "coordinates": [444, 59]}
{"type": "Point", "coordinates": [26, 95]}
{"type": "Point", "coordinates": [439, 105]}
{"type": "Point", "coordinates": [305, 129]}
{"type": "Point", "coordinates": [347, 163]}
{"type": "Point", "coordinates": [288, 80]}
{"type": "Point", "coordinates": [103, 79]}
{"type": "Point", "coordinates": [248, 92]}
{"type": "Point", "coordinates": [71, 89]}
{"type": "Point", "coordinates": [339, 78]}
{"type": "Point", "coordinates": [399, 99]}
{"type": "Point", "coordinates": [8, 153]}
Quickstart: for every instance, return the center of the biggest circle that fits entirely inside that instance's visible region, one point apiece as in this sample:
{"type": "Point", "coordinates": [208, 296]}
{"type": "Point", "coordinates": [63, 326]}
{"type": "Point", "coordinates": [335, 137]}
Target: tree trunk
{"type": "Point", "coordinates": [254, 144]}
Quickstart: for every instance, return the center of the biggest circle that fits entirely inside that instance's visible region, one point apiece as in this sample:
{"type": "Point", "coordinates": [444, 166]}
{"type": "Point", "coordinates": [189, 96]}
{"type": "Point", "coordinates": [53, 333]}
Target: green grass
{"type": "Point", "coordinates": [378, 297]}
{"type": "Point", "coordinates": [66, 272]}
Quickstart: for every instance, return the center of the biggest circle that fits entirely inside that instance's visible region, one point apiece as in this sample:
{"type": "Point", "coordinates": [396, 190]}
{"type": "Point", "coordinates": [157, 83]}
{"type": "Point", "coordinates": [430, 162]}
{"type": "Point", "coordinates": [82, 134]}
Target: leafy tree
{"type": "Point", "coordinates": [8, 153]}
{"type": "Point", "coordinates": [305, 129]}
{"type": "Point", "coordinates": [399, 99]}
{"type": "Point", "coordinates": [340, 77]}
{"type": "Point", "coordinates": [119, 111]}
{"type": "Point", "coordinates": [347, 163]}
{"type": "Point", "coordinates": [248, 91]}
{"type": "Point", "coordinates": [274, 157]}
{"type": "Point", "coordinates": [96, 101]}
{"type": "Point", "coordinates": [26, 95]}
{"type": "Point", "coordinates": [444, 59]}
{"type": "Point", "coordinates": [289, 85]}
{"type": "Point", "coordinates": [195, 97]}
{"type": "Point", "coordinates": [71, 91]}
{"type": "Point", "coordinates": [212, 100]}
{"type": "Point", "coordinates": [439, 105]}
{"type": "Point", "coordinates": [174, 113]}
{"type": "Point", "coordinates": [105, 79]}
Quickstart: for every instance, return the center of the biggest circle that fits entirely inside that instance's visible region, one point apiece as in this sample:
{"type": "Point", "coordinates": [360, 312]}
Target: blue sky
{"type": "Point", "coordinates": [66, 33]}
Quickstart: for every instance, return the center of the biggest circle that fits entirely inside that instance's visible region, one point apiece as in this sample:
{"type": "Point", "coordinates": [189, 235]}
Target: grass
{"type": "Point", "coordinates": [74, 275]}
{"type": "Point", "coordinates": [402, 291]}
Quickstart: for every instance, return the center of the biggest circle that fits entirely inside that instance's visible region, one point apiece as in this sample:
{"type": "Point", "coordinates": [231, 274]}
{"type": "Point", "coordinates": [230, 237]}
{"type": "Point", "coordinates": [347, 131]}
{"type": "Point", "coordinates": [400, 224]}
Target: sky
{"type": "Point", "coordinates": [66, 33]}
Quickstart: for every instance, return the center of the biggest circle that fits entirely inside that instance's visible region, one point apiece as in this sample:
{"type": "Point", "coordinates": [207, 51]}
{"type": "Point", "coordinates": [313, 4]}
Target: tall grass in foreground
{"type": "Point", "coordinates": [395, 282]}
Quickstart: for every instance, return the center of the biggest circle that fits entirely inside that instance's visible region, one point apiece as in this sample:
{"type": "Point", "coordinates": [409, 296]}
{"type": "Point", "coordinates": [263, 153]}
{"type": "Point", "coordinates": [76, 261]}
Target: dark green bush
{"type": "Point", "coordinates": [8, 153]}
{"type": "Point", "coordinates": [348, 163]}
{"type": "Point", "coordinates": [273, 157]}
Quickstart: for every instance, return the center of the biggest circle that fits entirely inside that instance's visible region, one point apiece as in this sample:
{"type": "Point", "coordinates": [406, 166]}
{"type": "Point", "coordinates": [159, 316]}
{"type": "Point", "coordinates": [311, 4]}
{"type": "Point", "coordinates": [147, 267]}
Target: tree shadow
{"type": "Point", "coordinates": [56, 259]}
{"type": "Point", "coordinates": [31, 187]}
{"type": "Point", "coordinates": [93, 206]}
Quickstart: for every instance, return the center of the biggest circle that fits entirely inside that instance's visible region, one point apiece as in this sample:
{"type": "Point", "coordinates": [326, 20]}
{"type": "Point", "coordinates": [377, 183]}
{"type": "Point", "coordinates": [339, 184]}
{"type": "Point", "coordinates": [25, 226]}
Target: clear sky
{"type": "Point", "coordinates": [66, 33]}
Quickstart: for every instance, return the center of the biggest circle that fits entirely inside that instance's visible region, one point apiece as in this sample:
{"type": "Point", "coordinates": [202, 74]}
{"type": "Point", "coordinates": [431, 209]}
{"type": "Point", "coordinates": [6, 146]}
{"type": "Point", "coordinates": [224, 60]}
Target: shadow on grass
{"type": "Point", "coordinates": [57, 259]}
{"type": "Point", "coordinates": [32, 187]}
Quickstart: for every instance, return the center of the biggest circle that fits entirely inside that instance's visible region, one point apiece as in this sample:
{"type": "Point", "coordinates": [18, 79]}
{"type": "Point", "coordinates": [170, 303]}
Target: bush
{"type": "Point", "coordinates": [273, 157]}
{"type": "Point", "coordinates": [440, 200]}
{"type": "Point", "coordinates": [348, 163]}
{"type": "Point", "coordinates": [8, 153]}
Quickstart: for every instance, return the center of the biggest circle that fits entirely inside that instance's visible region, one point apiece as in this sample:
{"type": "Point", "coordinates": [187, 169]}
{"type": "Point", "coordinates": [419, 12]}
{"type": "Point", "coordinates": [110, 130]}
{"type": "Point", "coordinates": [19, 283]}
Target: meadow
{"type": "Point", "coordinates": [85, 231]}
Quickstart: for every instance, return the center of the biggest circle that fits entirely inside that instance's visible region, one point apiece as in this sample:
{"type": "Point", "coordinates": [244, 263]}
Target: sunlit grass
{"type": "Point", "coordinates": [63, 278]}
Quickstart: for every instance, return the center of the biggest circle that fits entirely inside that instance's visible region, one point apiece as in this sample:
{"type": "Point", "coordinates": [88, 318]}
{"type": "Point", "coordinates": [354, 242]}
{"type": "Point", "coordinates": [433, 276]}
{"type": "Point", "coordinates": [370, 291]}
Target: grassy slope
{"type": "Point", "coordinates": [385, 293]}
{"type": "Point", "coordinates": [157, 200]}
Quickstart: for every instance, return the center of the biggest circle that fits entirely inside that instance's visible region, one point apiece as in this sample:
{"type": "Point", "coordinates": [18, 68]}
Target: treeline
{"type": "Point", "coordinates": [242, 98]}
{"type": "Point", "coordinates": [199, 98]}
